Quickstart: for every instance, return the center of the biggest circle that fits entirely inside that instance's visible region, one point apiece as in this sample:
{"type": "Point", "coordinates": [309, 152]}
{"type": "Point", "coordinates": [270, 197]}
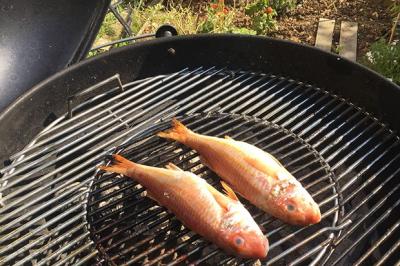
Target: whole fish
{"type": "Point", "coordinates": [253, 173]}
{"type": "Point", "coordinates": [220, 218]}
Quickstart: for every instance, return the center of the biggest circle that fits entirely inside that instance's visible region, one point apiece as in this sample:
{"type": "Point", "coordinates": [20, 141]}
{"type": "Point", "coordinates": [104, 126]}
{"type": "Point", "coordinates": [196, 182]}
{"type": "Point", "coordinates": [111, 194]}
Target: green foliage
{"type": "Point", "coordinates": [244, 31]}
{"type": "Point", "coordinates": [108, 26]}
{"type": "Point", "coordinates": [147, 20]}
{"type": "Point", "coordinates": [395, 7]}
{"type": "Point", "coordinates": [384, 58]}
{"type": "Point", "coordinates": [220, 19]}
{"type": "Point", "coordinates": [262, 16]}
{"type": "Point", "coordinates": [283, 6]}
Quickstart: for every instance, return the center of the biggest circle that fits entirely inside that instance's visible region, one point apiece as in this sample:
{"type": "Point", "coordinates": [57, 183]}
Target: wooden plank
{"type": "Point", "coordinates": [325, 34]}
{"type": "Point", "coordinates": [348, 40]}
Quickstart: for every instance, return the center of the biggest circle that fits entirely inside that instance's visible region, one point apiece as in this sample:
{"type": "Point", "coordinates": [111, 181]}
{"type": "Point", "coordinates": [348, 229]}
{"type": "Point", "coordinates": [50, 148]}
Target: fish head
{"type": "Point", "coordinates": [293, 204]}
{"type": "Point", "coordinates": [243, 237]}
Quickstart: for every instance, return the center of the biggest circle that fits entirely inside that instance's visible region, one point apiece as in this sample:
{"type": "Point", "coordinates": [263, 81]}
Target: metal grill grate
{"type": "Point", "coordinates": [50, 195]}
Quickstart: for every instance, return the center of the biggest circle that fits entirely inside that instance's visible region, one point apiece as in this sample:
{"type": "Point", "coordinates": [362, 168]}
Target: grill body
{"type": "Point", "coordinates": [347, 156]}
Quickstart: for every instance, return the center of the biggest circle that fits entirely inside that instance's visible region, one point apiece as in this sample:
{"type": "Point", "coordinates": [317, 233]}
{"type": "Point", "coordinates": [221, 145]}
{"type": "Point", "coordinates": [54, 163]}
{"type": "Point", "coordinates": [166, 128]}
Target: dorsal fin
{"type": "Point", "coordinates": [229, 191]}
{"type": "Point", "coordinates": [220, 198]}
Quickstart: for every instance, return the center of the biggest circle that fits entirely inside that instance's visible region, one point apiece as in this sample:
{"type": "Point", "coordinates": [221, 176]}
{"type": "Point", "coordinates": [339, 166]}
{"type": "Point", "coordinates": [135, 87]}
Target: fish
{"type": "Point", "coordinates": [253, 173]}
{"type": "Point", "coordinates": [219, 218]}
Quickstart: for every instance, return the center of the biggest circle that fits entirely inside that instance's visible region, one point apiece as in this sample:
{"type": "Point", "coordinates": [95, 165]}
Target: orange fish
{"type": "Point", "coordinates": [220, 218]}
{"type": "Point", "coordinates": [253, 173]}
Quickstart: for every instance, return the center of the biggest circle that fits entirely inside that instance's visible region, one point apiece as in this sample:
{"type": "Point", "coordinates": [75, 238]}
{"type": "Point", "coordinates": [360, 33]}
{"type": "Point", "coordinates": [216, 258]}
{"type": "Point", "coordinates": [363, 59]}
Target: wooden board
{"type": "Point", "coordinates": [325, 34]}
{"type": "Point", "coordinates": [348, 40]}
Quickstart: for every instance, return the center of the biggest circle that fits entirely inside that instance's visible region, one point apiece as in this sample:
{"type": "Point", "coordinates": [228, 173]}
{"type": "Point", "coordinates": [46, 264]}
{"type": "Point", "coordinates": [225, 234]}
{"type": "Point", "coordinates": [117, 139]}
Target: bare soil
{"type": "Point", "coordinates": [300, 25]}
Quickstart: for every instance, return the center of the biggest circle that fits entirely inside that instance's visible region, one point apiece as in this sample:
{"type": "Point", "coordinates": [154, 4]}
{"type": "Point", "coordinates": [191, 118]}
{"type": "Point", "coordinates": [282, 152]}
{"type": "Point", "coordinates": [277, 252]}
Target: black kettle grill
{"type": "Point", "coordinates": [331, 122]}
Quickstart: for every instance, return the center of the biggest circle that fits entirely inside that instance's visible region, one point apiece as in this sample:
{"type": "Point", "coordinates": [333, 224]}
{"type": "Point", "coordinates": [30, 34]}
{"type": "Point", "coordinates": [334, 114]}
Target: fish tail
{"type": "Point", "coordinates": [178, 131]}
{"type": "Point", "coordinates": [119, 165]}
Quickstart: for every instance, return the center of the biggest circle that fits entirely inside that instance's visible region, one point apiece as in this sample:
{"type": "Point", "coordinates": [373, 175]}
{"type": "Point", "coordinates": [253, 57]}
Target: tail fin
{"type": "Point", "coordinates": [120, 165]}
{"type": "Point", "coordinates": [178, 131]}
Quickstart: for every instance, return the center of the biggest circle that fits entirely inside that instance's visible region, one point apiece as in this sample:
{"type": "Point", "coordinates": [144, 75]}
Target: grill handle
{"type": "Point", "coordinates": [98, 85]}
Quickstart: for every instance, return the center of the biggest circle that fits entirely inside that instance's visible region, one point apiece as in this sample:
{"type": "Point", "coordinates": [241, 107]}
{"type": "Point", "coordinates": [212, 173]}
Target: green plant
{"type": "Point", "coordinates": [283, 6]}
{"type": "Point", "coordinates": [385, 59]}
{"type": "Point", "coordinates": [262, 16]}
{"type": "Point", "coordinates": [395, 7]}
{"type": "Point", "coordinates": [218, 19]}
{"type": "Point", "coordinates": [148, 19]}
{"type": "Point", "coordinates": [108, 26]}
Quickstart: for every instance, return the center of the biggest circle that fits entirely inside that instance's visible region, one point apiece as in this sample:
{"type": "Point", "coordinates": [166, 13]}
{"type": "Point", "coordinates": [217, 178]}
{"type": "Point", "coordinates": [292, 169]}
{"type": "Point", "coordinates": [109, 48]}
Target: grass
{"type": "Point", "coordinates": [148, 19]}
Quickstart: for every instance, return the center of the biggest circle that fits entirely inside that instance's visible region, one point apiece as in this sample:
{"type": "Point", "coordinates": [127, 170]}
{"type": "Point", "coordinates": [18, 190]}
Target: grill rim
{"type": "Point", "coordinates": [132, 61]}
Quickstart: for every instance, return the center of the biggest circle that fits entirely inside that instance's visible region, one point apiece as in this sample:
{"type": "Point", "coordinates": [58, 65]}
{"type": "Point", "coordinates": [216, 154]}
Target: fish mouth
{"type": "Point", "coordinates": [258, 250]}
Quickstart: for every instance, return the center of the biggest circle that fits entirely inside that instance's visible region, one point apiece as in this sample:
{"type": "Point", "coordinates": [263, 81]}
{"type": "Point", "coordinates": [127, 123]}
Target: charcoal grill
{"type": "Point", "coordinates": [330, 122]}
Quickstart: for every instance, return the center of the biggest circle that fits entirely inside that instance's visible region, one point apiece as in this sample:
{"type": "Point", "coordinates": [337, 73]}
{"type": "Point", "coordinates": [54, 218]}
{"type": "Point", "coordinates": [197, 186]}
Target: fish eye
{"type": "Point", "coordinates": [290, 207]}
{"type": "Point", "coordinates": [239, 241]}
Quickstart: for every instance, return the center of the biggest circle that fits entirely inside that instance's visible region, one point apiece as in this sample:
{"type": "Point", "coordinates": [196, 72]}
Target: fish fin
{"type": "Point", "coordinates": [227, 137]}
{"type": "Point", "coordinates": [178, 131]}
{"type": "Point", "coordinates": [119, 165]}
{"type": "Point", "coordinates": [172, 166]}
{"type": "Point", "coordinates": [220, 198]}
{"type": "Point", "coordinates": [229, 191]}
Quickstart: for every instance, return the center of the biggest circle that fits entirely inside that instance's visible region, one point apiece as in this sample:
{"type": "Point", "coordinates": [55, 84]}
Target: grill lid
{"type": "Point", "coordinates": [57, 210]}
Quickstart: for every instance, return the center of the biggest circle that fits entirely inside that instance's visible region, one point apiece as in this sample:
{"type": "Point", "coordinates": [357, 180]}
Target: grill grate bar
{"type": "Point", "coordinates": [39, 217]}
{"type": "Point", "coordinates": [143, 241]}
{"type": "Point", "coordinates": [361, 172]}
{"type": "Point", "coordinates": [377, 243]}
{"type": "Point", "coordinates": [367, 231]}
{"type": "Point", "coordinates": [178, 247]}
{"type": "Point", "coordinates": [372, 178]}
{"type": "Point", "coordinates": [75, 252]}
{"type": "Point", "coordinates": [86, 120]}
{"type": "Point", "coordinates": [233, 95]}
{"type": "Point", "coordinates": [143, 219]}
{"type": "Point", "coordinates": [107, 102]}
{"type": "Point", "coordinates": [226, 104]}
{"type": "Point", "coordinates": [326, 229]}
{"type": "Point", "coordinates": [379, 204]}
{"type": "Point", "coordinates": [301, 105]}
{"type": "Point", "coordinates": [311, 114]}
{"type": "Point", "coordinates": [54, 242]}
{"type": "Point", "coordinates": [159, 99]}
{"type": "Point", "coordinates": [311, 252]}
{"type": "Point", "coordinates": [280, 102]}
{"type": "Point", "coordinates": [348, 155]}
{"type": "Point", "coordinates": [260, 102]}
{"type": "Point", "coordinates": [336, 129]}
{"type": "Point", "coordinates": [84, 260]}
{"type": "Point", "coordinates": [388, 253]}
{"type": "Point", "coordinates": [44, 205]}
{"type": "Point", "coordinates": [191, 109]}
{"type": "Point", "coordinates": [92, 140]}
{"type": "Point", "coordinates": [38, 229]}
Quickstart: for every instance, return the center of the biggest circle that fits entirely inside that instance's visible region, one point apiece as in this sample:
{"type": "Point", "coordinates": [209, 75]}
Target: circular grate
{"type": "Point", "coordinates": [129, 228]}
